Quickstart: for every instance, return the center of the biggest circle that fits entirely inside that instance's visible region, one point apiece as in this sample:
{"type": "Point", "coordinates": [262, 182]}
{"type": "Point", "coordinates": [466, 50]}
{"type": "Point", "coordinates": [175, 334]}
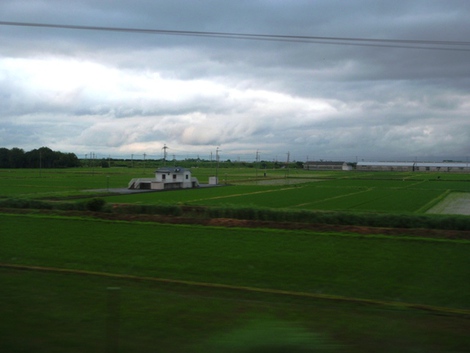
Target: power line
{"type": "Point", "coordinates": [389, 43]}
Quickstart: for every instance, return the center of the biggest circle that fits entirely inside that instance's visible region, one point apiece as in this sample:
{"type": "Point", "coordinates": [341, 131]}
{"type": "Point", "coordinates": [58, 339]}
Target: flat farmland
{"type": "Point", "coordinates": [356, 192]}
{"type": "Point", "coordinates": [298, 189]}
{"type": "Point", "coordinates": [33, 183]}
{"type": "Point", "coordinates": [386, 196]}
{"type": "Point", "coordinates": [184, 285]}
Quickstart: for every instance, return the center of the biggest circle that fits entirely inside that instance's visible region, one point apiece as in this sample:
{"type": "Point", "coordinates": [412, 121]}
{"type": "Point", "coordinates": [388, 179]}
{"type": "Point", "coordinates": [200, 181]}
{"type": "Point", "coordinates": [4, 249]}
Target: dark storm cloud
{"type": "Point", "coordinates": [335, 100]}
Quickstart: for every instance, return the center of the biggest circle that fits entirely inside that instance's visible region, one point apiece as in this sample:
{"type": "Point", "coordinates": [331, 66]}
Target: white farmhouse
{"type": "Point", "coordinates": [166, 178]}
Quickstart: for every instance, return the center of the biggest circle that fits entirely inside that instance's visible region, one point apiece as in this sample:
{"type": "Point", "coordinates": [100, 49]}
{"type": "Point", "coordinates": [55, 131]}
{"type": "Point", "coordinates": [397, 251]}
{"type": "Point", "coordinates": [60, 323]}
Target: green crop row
{"type": "Point", "coordinates": [379, 200]}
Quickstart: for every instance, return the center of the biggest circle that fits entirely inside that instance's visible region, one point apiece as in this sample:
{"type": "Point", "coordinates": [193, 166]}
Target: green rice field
{"type": "Point", "coordinates": [352, 191]}
{"type": "Point", "coordinates": [387, 196]}
{"type": "Point", "coordinates": [380, 279]}
{"type": "Point", "coordinates": [74, 283]}
{"type": "Point", "coordinates": [287, 260]}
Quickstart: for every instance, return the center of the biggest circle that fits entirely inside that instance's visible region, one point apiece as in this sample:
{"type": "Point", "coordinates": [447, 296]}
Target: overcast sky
{"type": "Point", "coordinates": [122, 93]}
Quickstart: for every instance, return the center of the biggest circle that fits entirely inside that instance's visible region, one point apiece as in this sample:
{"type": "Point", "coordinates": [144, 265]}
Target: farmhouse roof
{"type": "Point", "coordinates": [171, 170]}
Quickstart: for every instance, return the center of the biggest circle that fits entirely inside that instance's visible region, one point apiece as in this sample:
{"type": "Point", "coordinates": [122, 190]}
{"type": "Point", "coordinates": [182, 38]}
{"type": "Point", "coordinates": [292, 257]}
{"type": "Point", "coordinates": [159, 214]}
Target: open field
{"type": "Point", "coordinates": [182, 285]}
{"type": "Point", "coordinates": [455, 203]}
{"type": "Point", "coordinates": [288, 260]}
{"type": "Point", "coordinates": [60, 182]}
{"type": "Point", "coordinates": [365, 192]}
{"type": "Point", "coordinates": [49, 312]}
{"type": "Point", "coordinates": [364, 195]}
{"type": "Point", "coordinates": [403, 271]}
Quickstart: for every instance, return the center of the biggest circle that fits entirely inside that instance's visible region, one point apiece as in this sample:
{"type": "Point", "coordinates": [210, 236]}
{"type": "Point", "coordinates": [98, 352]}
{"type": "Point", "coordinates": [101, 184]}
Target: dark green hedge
{"type": "Point", "coordinates": [447, 222]}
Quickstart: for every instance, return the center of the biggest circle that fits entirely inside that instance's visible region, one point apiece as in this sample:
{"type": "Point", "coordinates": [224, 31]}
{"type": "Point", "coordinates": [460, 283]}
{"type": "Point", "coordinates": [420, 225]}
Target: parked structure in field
{"type": "Point", "coordinates": [449, 167]}
{"type": "Point", "coordinates": [327, 165]}
{"type": "Point", "coordinates": [166, 178]}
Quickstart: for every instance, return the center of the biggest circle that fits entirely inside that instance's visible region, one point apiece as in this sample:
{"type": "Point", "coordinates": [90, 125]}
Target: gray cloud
{"type": "Point", "coordinates": [123, 93]}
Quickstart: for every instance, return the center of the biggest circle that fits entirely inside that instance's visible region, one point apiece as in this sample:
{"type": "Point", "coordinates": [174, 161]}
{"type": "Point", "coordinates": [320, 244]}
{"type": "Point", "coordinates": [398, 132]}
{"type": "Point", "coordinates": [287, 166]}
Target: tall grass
{"type": "Point", "coordinates": [447, 222]}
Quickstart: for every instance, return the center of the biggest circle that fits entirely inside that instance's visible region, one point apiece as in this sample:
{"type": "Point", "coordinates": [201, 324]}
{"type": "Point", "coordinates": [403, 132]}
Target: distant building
{"type": "Point", "coordinates": [449, 167]}
{"type": "Point", "coordinates": [213, 180]}
{"type": "Point", "coordinates": [166, 178]}
{"type": "Point", "coordinates": [327, 165]}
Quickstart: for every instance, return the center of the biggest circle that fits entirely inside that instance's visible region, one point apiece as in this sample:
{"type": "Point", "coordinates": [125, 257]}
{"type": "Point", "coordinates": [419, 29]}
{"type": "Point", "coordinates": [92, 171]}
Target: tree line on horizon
{"type": "Point", "coordinates": [42, 157]}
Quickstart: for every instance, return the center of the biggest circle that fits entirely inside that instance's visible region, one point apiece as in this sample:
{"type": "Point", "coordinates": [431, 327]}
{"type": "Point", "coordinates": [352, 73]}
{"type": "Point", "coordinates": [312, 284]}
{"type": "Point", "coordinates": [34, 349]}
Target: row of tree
{"type": "Point", "coordinates": [42, 157]}
{"type": "Point", "coordinates": [185, 163]}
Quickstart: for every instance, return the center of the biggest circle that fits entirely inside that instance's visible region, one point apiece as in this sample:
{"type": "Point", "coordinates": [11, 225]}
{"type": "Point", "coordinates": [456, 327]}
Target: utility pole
{"type": "Point", "coordinates": [287, 164]}
{"type": "Point", "coordinates": [216, 165]}
{"type": "Point", "coordinates": [164, 154]}
{"type": "Point", "coordinates": [92, 157]}
{"type": "Point", "coordinates": [144, 159]}
{"type": "Point", "coordinates": [40, 163]}
{"type": "Point", "coordinates": [257, 162]}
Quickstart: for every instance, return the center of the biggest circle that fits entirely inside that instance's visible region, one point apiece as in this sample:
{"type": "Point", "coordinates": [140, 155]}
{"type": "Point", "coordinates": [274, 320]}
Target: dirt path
{"type": "Point", "coordinates": [454, 203]}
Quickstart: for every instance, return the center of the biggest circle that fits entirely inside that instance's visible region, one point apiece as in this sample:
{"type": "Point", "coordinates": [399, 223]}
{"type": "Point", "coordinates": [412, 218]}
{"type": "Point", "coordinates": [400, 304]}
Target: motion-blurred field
{"type": "Point", "coordinates": [395, 274]}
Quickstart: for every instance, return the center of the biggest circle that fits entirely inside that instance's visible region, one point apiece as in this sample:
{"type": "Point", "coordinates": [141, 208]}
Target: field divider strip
{"type": "Point", "coordinates": [430, 308]}
{"type": "Point", "coordinates": [334, 197]}
{"type": "Point", "coordinates": [244, 194]}
{"type": "Point", "coordinates": [434, 202]}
